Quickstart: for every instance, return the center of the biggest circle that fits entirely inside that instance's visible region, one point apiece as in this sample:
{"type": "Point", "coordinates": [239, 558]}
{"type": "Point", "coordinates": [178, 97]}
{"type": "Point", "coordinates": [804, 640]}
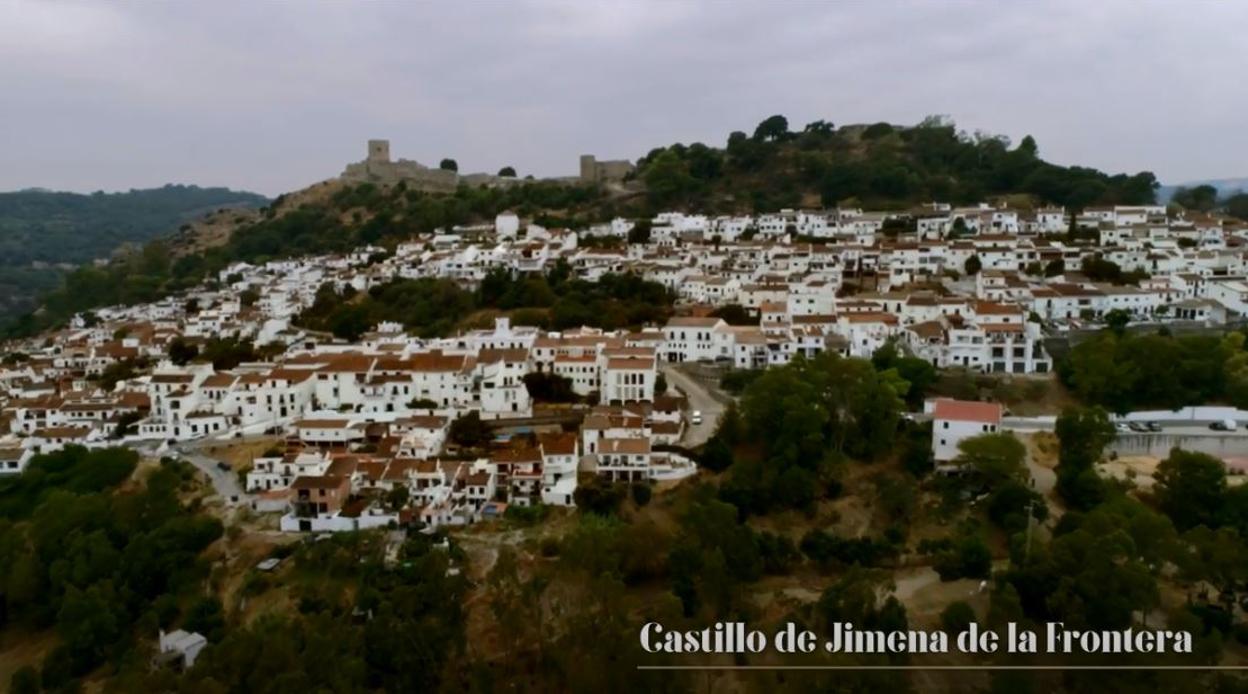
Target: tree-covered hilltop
{"type": "Point", "coordinates": [55, 227]}
{"type": "Point", "coordinates": [881, 166]}
{"type": "Point", "coordinates": [1209, 198]}
{"type": "Point", "coordinates": [41, 228]}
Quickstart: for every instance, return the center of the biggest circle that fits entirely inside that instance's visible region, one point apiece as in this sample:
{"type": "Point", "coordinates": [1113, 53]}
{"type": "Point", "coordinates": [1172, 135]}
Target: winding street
{"type": "Point", "coordinates": [224, 482]}
{"type": "Point", "coordinates": [702, 399]}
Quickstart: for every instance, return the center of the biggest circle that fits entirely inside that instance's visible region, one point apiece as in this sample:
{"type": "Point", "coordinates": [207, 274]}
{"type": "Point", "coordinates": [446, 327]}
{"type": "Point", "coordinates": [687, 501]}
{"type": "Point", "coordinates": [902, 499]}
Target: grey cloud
{"type": "Point", "coordinates": [273, 96]}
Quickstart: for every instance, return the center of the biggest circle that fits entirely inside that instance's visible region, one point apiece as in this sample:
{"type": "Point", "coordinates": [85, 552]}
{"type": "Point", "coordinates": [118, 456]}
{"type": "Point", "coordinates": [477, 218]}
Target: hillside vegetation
{"type": "Point", "coordinates": [40, 230]}
{"type": "Point", "coordinates": [877, 166]}
{"type": "Point", "coordinates": [101, 559]}
{"type": "Point", "coordinates": [881, 166]}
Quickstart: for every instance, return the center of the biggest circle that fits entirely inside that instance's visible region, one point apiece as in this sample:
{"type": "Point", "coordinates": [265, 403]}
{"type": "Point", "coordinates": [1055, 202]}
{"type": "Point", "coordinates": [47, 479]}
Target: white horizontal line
{"type": "Point", "coordinates": [942, 667]}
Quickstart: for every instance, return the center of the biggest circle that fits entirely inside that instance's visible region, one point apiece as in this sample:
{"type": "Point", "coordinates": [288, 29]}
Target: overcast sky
{"type": "Point", "coordinates": [271, 97]}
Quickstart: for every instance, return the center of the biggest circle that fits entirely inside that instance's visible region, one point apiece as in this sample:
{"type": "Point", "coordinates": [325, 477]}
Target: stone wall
{"type": "Point", "coordinates": [378, 168]}
{"type": "Point", "coordinates": [1217, 444]}
{"type": "Point", "coordinates": [594, 171]}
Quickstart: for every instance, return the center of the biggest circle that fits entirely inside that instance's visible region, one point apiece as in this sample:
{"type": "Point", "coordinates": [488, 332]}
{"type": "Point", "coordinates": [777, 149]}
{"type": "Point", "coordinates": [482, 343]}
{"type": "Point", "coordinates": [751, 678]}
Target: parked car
{"type": "Point", "coordinates": [1224, 425]}
{"type": "Point", "coordinates": [224, 466]}
{"type": "Point", "coordinates": [1121, 427]}
{"type": "Point", "coordinates": [1153, 426]}
{"type": "Point", "coordinates": [696, 417]}
{"type": "Point", "coordinates": [1137, 426]}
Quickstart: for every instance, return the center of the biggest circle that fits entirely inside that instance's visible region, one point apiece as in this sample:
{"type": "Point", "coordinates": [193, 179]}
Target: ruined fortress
{"type": "Point", "coordinates": [378, 168]}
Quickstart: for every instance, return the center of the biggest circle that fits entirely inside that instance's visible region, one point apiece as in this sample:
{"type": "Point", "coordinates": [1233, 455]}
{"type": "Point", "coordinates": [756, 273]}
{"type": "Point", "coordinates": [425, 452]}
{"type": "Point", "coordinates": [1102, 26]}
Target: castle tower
{"type": "Point", "coordinates": [589, 168]}
{"type": "Point", "coordinates": [379, 151]}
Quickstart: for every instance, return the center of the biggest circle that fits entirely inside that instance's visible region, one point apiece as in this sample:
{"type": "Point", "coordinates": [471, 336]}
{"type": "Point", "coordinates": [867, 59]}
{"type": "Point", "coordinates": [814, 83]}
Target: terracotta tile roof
{"type": "Point", "coordinates": [219, 380]}
{"type": "Point", "coordinates": [323, 424]}
{"type": "Point", "coordinates": [630, 363]}
{"type": "Point", "coordinates": [62, 432]}
{"type": "Point", "coordinates": [557, 444]}
{"type": "Point", "coordinates": [967, 411]}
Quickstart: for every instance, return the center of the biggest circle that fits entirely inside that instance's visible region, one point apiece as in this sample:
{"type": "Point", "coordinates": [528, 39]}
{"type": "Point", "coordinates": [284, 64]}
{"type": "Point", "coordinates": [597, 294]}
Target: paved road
{"type": "Point", "coordinates": [700, 399]}
{"type": "Point", "coordinates": [225, 482]}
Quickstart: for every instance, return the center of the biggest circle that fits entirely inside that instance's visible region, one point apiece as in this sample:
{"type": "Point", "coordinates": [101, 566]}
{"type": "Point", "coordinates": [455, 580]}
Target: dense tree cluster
{"type": "Point", "coordinates": [1124, 372]}
{"type": "Point", "coordinates": [799, 421]}
{"type": "Point", "coordinates": [881, 165]}
{"type": "Point", "coordinates": [550, 387]}
{"type": "Point", "coordinates": [1207, 198]}
{"type": "Point", "coordinates": [357, 625]}
{"type": "Point", "coordinates": [435, 307]}
{"type": "Point", "coordinates": [103, 568]}
{"type": "Point", "coordinates": [1192, 490]}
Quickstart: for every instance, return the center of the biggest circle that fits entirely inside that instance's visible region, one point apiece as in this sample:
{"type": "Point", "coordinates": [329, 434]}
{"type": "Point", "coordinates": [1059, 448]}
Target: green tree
{"type": "Point", "coordinates": [550, 387]}
{"type": "Point", "coordinates": [1082, 435]}
{"type": "Point", "coordinates": [957, 617]}
{"type": "Point", "coordinates": [469, 431]}
{"type": "Point", "coordinates": [998, 458]}
{"type": "Point", "coordinates": [1009, 503]}
{"type": "Point", "coordinates": [973, 265]}
{"type": "Point", "coordinates": [25, 681]}
{"type": "Point", "coordinates": [641, 493]}
{"type": "Point", "coordinates": [966, 557]}
{"type": "Point", "coordinates": [734, 314]}
{"type": "Point", "coordinates": [667, 178]}
{"type": "Point", "coordinates": [1237, 205]}
{"type": "Point", "coordinates": [1117, 320]}
{"type": "Point", "coordinates": [507, 171]}
{"type": "Point", "coordinates": [640, 233]}
{"type": "Point", "coordinates": [1201, 198]}
{"type": "Point", "coordinates": [88, 623]}
{"type": "Point", "coordinates": [1190, 488]}
{"type": "Point", "coordinates": [181, 351]}
{"type": "Point", "coordinates": [448, 165]}
{"type": "Point", "coordinates": [397, 498]}
{"type": "Point", "coordinates": [772, 129]}
{"type": "Point", "coordinates": [716, 455]}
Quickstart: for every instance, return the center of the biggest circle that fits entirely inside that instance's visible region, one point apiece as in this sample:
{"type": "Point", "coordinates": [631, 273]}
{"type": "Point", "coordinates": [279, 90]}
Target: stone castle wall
{"type": "Point", "coordinates": [378, 168]}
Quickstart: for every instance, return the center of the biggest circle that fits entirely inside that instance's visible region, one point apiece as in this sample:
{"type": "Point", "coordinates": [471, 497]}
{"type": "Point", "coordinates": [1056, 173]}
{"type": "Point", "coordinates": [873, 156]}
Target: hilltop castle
{"type": "Point", "coordinates": [377, 167]}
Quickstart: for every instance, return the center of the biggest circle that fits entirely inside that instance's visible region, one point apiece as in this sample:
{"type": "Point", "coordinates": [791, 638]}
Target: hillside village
{"type": "Point", "coordinates": [980, 288]}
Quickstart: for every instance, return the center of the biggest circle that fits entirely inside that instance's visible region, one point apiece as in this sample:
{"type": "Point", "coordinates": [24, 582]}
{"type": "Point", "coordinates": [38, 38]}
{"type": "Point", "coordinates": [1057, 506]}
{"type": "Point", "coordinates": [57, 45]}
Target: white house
{"type": "Point", "coordinates": [954, 421]}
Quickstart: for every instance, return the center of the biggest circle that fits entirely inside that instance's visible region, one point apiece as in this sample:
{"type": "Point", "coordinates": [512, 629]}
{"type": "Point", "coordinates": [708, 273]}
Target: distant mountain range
{"type": "Point", "coordinates": [42, 231]}
{"type": "Point", "coordinates": [1225, 186]}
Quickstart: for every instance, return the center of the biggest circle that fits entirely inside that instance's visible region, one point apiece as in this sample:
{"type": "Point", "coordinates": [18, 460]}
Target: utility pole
{"type": "Point", "coordinates": [1027, 549]}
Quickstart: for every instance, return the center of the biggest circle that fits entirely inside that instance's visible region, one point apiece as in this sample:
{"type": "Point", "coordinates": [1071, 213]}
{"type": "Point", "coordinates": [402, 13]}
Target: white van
{"type": "Point", "coordinates": [696, 417]}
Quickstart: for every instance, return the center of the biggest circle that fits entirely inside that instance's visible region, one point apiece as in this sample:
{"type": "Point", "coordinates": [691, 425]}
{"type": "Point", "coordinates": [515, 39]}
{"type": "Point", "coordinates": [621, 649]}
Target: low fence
{"type": "Point", "coordinates": [1158, 445]}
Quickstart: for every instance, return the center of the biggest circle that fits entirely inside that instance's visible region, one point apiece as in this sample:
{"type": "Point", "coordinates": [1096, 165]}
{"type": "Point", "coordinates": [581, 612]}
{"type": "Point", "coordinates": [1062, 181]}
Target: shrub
{"type": "Point", "coordinates": [957, 617]}
{"type": "Point", "coordinates": [641, 493]}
